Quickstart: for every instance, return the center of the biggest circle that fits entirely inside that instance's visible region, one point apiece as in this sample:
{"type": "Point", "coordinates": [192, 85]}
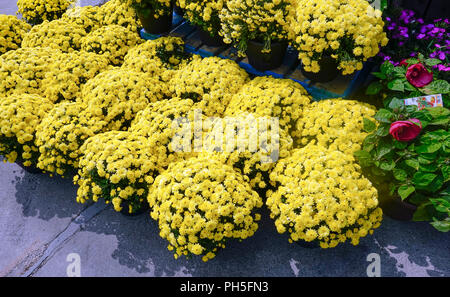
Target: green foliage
{"type": "Point", "coordinates": [417, 171]}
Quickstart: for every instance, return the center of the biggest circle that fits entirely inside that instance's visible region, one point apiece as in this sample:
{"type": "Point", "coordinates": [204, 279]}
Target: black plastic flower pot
{"type": "Point", "coordinates": [153, 25]}
{"type": "Point", "coordinates": [328, 70]}
{"type": "Point", "coordinates": [266, 61]}
{"type": "Point", "coordinates": [308, 245]}
{"type": "Point", "coordinates": [210, 40]}
{"type": "Point", "coordinates": [30, 169]}
{"type": "Point", "coordinates": [125, 209]}
{"type": "Point", "coordinates": [397, 209]}
{"type": "Point", "coordinates": [178, 10]}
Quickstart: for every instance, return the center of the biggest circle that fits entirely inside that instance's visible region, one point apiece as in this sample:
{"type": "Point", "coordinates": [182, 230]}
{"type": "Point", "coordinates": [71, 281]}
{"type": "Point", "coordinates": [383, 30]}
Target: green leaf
{"type": "Point", "coordinates": [428, 167]}
{"type": "Point", "coordinates": [405, 190]}
{"type": "Point", "coordinates": [400, 174]}
{"type": "Point", "coordinates": [387, 165]}
{"type": "Point", "coordinates": [428, 148]}
{"type": "Point", "coordinates": [412, 163]}
{"type": "Point", "coordinates": [437, 87]}
{"type": "Point", "coordinates": [396, 85]}
{"type": "Point", "coordinates": [409, 87]}
{"type": "Point", "coordinates": [383, 130]}
{"type": "Point", "coordinates": [399, 144]}
{"type": "Point", "coordinates": [369, 142]}
{"type": "Point", "coordinates": [374, 88]}
{"type": "Point", "coordinates": [422, 179]}
{"type": "Point", "coordinates": [446, 172]}
{"type": "Point", "coordinates": [399, 72]}
{"type": "Point", "coordinates": [379, 75]}
{"type": "Point", "coordinates": [369, 125]}
{"type": "Point", "coordinates": [422, 213]}
{"type": "Point", "coordinates": [384, 116]}
{"type": "Point", "coordinates": [387, 68]}
{"type": "Point", "coordinates": [436, 184]}
{"type": "Point", "coordinates": [396, 104]}
{"type": "Point", "coordinates": [432, 62]}
{"type": "Point", "coordinates": [364, 158]}
{"type": "Point", "coordinates": [443, 226]}
{"type": "Point", "coordinates": [412, 61]}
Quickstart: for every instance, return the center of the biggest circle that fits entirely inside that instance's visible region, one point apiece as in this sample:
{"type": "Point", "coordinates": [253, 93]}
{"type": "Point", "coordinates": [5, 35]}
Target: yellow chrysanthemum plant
{"type": "Point", "coordinates": [263, 21]}
{"type": "Point", "coordinates": [164, 123]}
{"type": "Point", "coordinates": [249, 143]}
{"type": "Point", "coordinates": [19, 117]}
{"type": "Point", "coordinates": [347, 32]}
{"type": "Point", "coordinates": [271, 97]}
{"type": "Point", "coordinates": [60, 135]}
{"type": "Point", "coordinates": [12, 31]}
{"type": "Point", "coordinates": [210, 82]}
{"type": "Point", "coordinates": [154, 8]}
{"type": "Point", "coordinates": [112, 41]}
{"type": "Point", "coordinates": [69, 72]}
{"type": "Point", "coordinates": [56, 34]}
{"type": "Point", "coordinates": [335, 123]}
{"type": "Point", "coordinates": [204, 14]}
{"type": "Point", "coordinates": [117, 12]}
{"type": "Point", "coordinates": [38, 11]}
{"type": "Point", "coordinates": [200, 204]}
{"type": "Point", "coordinates": [323, 198]}
{"type": "Point", "coordinates": [116, 166]}
{"type": "Point", "coordinates": [88, 17]}
{"type": "Point", "coordinates": [160, 57]}
{"type": "Point", "coordinates": [117, 95]}
{"type": "Point", "coordinates": [22, 70]}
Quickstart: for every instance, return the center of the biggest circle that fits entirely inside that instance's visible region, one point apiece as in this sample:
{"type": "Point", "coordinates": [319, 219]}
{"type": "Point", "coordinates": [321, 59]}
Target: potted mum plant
{"type": "Point", "coordinates": [333, 36]}
{"type": "Point", "coordinates": [37, 11]}
{"type": "Point", "coordinates": [205, 15]}
{"type": "Point", "coordinates": [257, 29]}
{"type": "Point", "coordinates": [155, 15]}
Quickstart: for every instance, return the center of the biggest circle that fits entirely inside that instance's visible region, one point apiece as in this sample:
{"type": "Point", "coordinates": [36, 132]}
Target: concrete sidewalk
{"type": "Point", "coordinates": [41, 225]}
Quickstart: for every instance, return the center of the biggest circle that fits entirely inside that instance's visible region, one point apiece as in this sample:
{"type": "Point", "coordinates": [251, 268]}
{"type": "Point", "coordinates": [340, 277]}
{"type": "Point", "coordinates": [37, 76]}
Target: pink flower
{"type": "Point", "coordinates": [418, 75]}
{"type": "Point", "coordinates": [405, 130]}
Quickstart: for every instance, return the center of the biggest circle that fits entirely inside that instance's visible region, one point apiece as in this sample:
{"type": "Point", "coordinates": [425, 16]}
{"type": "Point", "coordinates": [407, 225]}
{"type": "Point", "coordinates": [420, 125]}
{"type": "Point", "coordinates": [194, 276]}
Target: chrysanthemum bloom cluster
{"type": "Point", "coordinates": [88, 17]}
{"type": "Point", "coordinates": [22, 70]}
{"type": "Point", "coordinates": [117, 95]}
{"type": "Point", "coordinates": [335, 123]}
{"type": "Point", "coordinates": [159, 57]}
{"type": "Point", "coordinates": [200, 204]}
{"type": "Point", "coordinates": [69, 72]}
{"type": "Point", "coordinates": [322, 197]}
{"type": "Point", "coordinates": [155, 7]}
{"type": "Point", "coordinates": [116, 12]}
{"type": "Point", "coordinates": [271, 97]}
{"type": "Point", "coordinates": [116, 166]}
{"type": "Point", "coordinates": [211, 82]}
{"type": "Point", "coordinates": [55, 34]}
{"type": "Point", "coordinates": [161, 122]}
{"type": "Point", "coordinates": [250, 143]}
{"type": "Point", "coordinates": [204, 13]}
{"type": "Point", "coordinates": [12, 31]}
{"type": "Point", "coordinates": [37, 11]}
{"type": "Point", "coordinates": [113, 41]}
{"type": "Point", "coordinates": [257, 20]}
{"type": "Point", "coordinates": [19, 117]}
{"type": "Point", "coordinates": [348, 31]}
{"type": "Point", "coordinates": [61, 134]}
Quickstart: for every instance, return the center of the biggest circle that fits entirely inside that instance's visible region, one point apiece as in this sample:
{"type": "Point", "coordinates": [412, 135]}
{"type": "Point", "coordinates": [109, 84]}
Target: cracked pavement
{"type": "Point", "coordinates": [41, 225]}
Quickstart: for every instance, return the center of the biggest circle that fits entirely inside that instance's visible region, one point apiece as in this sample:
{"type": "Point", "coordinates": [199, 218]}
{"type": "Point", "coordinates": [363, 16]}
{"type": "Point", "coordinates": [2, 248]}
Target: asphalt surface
{"type": "Point", "coordinates": [43, 229]}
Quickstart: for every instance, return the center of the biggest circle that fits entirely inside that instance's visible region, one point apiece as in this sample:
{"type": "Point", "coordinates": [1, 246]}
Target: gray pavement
{"type": "Point", "coordinates": [41, 226]}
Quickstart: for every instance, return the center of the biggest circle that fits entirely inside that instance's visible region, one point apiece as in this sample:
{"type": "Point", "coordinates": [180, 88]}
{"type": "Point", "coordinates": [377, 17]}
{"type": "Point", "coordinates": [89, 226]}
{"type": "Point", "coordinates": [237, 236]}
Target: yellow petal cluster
{"type": "Point", "coordinates": [348, 31]}
{"type": "Point", "coordinates": [88, 17]}
{"type": "Point", "coordinates": [37, 11]}
{"type": "Point", "coordinates": [19, 117]}
{"type": "Point", "coordinates": [210, 82]}
{"type": "Point", "coordinates": [271, 97]}
{"type": "Point", "coordinates": [335, 123]}
{"type": "Point", "coordinates": [254, 20]}
{"type": "Point", "coordinates": [200, 204]}
{"type": "Point", "coordinates": [117, 95]}
{"type": "Point", "coordinates": [203, 13]}
{"type": "Point", "coordinates": [12, 31]}
{"type": "Point", "coordinates": [118, 12]}
{"type": "Point", "coordinates": [116, 166]}
{"type": "Point", "coordinates": [112, 41]}
{"type": "Point", "coordinates": [56, 34]}
{"type": "Point", "coordinates": [60, 135]}
{"type": "Point", "coordinates": [322, 197]}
